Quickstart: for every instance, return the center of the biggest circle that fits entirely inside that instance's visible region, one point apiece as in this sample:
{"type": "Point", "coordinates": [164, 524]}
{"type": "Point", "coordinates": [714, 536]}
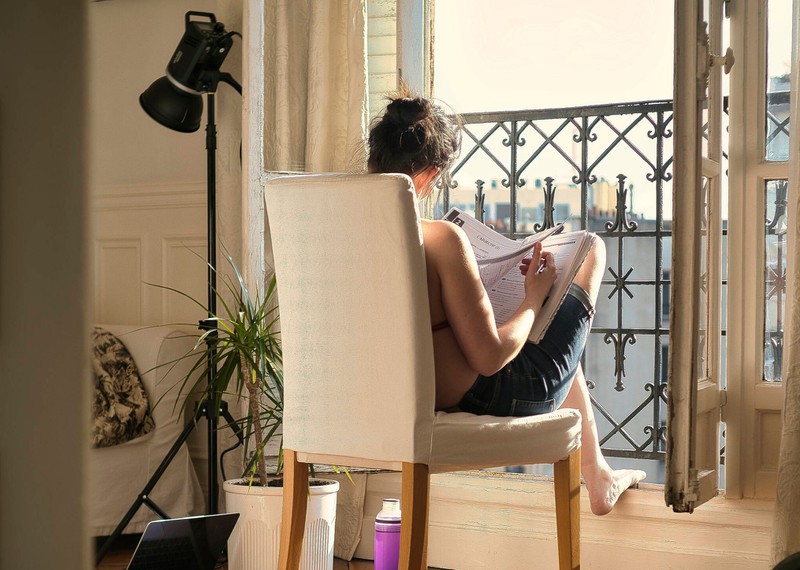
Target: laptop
{"type": "Point", "coordinates": [189, 543]}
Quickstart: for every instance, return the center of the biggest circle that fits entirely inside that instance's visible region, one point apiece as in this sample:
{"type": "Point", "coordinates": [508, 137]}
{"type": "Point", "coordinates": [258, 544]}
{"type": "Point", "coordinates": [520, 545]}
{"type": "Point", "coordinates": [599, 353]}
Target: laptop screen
{"type": "Point", "coordinates": [190, 543]}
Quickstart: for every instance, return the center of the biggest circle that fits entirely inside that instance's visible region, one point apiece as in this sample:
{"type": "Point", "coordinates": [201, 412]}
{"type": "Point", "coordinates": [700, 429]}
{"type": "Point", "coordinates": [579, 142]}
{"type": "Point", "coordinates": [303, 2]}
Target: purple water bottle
{"type": "Point", "coordinates": [387, 536]}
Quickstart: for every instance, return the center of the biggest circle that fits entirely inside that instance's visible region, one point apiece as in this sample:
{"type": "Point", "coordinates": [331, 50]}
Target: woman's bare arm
{"type": "Point", "coordinates": [486, 346]}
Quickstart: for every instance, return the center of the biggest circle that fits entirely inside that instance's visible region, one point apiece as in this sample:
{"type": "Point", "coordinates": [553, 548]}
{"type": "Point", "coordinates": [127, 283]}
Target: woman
{"type": "Point", "coordinates": [481, 367]}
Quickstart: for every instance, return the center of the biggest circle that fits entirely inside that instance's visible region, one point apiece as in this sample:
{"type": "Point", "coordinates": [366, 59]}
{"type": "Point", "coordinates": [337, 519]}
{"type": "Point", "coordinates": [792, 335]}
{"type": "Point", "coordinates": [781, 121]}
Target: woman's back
{"type": "Point", "coordinates": [454, 376]}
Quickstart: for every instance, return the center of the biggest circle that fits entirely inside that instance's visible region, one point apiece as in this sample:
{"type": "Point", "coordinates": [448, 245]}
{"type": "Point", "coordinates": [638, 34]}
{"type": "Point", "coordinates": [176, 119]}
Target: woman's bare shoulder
{"type": "Point", "coordinates": [444, 237]}
{"type": "Point", "coordinates": [441, 229]}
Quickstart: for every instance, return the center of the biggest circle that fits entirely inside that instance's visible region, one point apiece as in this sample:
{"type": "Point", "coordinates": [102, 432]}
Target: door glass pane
{"type": "Point", "coordinates": [779, 41]}
{"type": "Point", "coordinates": [702, 350]}
{"type": "Point", "coordinates": [774, 278]}
{"type": "Point", "coordinates": [706, 6]}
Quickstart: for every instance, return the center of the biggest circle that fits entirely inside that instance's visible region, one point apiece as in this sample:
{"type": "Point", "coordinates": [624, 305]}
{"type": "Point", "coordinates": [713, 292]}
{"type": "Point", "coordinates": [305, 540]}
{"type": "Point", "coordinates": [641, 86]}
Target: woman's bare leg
{"type": "Point", "coordinates": [603, 484]}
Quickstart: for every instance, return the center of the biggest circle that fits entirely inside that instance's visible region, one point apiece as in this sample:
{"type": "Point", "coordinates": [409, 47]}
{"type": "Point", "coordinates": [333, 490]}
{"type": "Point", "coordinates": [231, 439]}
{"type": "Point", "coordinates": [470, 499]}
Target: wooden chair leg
{"type": "Point", "coordinates": [414, 528]}
{"type": "Point", "coordinates": [567, 481]}
{"type": "Point", "coordinates": [295, 502]}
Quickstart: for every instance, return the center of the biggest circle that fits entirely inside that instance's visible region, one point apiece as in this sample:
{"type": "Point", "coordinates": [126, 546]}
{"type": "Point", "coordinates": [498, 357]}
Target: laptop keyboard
{"type": "Point", "coordinates": [187, 543]}
{"type": "Point", "coordinates": [166, 554]}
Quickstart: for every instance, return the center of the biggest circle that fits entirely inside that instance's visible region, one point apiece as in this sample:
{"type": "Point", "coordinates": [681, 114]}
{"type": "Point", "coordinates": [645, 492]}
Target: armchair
{"type": "Point", "coordinates": [358, 361]}
{"type": "Point", "coordinates": [119, 473]}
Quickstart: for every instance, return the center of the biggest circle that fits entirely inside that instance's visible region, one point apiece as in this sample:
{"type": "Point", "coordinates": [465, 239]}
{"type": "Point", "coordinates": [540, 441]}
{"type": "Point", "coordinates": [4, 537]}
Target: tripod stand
{"type": "Point", "coordinates": [208, 407]}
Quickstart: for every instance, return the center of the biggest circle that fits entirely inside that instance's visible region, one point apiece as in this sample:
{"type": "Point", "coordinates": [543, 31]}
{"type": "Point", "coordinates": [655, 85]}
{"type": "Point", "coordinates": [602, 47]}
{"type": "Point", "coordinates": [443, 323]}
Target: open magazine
{"type": "Point", "coordinates": [499, 259]}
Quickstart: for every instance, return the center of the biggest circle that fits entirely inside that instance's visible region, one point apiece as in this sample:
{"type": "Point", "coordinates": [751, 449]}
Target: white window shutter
{"type": "Point", "coordinates": [694, 394]}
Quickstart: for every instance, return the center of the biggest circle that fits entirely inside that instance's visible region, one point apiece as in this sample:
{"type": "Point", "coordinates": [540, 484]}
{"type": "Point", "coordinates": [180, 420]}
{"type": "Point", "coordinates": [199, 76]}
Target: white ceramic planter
{"type": "Point", "coordinates": [254, 543]}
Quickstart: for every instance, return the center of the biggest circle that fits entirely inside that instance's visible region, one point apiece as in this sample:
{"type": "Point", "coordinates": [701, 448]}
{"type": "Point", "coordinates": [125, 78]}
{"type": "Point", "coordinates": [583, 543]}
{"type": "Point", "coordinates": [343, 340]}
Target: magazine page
{"type": "Point", "coordinates": [507, 294]}
{"type": "Point", "coordinates": [498, 264]}
{"type": "Point", "coordinates": [496, 254]}
{"type": "Point", "coordinates": [569, 251]}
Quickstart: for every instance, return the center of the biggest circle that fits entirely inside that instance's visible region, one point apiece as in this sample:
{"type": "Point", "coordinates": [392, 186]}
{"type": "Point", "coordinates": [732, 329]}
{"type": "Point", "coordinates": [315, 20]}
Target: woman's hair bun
{"type": "Point", "coordinates": [412, 134]}
{"type": "Point", "coordinates": [412, 138]}
{"type": "Point", "coordinates": [406, 111]}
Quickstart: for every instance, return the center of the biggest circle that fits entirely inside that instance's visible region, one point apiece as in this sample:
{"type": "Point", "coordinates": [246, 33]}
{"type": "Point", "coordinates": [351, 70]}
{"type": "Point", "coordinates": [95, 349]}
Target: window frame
{"type": "Point", "coordinates": [747, 398]}
{"type": "Point", "coordinates": [750, 399]}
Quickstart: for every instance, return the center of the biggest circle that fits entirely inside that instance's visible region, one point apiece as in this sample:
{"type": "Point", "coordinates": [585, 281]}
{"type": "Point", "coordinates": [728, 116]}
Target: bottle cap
{"type": "Point", "coordinates": [390, 510]}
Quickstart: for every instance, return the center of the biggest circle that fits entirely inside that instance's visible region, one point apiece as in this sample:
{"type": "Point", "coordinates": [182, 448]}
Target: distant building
{"type": "Point", "coordinates": [602, 198]}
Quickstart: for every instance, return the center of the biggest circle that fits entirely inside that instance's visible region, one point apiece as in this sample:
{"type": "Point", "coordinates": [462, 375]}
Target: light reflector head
{"type": "Point", "coordinates": [175, 109]}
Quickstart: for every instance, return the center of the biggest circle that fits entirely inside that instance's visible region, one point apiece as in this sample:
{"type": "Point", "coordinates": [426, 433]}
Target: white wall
{"type": "Point", "coordinates": [507, 521]}
{"type": "Point", "coordinates": [148, 183]}
{"type": "Point", "coordinates": [382, 52]}
{"type": "Point", "coordinates": [130, 42]}
{"type": "Point", "coordinates": [43, 342]}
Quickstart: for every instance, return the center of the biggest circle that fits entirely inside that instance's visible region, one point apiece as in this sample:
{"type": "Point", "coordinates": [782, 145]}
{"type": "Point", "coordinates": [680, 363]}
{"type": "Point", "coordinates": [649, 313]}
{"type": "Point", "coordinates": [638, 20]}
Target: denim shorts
{"type": "Point", "coordinates": [537, 380]}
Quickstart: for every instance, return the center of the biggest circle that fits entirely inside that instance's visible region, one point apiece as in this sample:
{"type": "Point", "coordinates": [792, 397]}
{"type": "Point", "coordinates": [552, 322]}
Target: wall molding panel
{"type": "Point", "coordinates": [118, 280]}
{"type": "Point", "coordinates": [149, 196]}
{"type": "Point", "coordinates": [183, 267]}
{"type": "Point", "coordinates": [146, 236]}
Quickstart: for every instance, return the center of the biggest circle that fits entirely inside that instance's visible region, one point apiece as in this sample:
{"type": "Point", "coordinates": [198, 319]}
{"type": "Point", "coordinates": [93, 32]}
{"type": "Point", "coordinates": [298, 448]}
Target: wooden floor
{"type": "Point", "coordinates": [120, 555]}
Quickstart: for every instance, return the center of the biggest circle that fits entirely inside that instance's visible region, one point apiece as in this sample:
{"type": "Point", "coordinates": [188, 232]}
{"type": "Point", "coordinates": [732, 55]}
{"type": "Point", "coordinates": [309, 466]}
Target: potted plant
{"type": "Point", "coordinates": [242, 343]}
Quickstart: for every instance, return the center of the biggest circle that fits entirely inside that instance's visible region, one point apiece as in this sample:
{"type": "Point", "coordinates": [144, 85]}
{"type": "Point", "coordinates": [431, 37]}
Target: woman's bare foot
{"type": "Point", "coordinates": [606, 485]}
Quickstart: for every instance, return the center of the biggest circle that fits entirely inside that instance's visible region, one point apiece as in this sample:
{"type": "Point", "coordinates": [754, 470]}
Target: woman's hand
{"type": "Point", "coordinates": [540, 273]}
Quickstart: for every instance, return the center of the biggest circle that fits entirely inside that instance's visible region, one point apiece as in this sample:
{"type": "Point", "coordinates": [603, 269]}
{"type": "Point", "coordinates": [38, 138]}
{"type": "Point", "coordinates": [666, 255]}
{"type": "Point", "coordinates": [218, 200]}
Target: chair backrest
{"type": "Point", "coordinates": [355, 320]}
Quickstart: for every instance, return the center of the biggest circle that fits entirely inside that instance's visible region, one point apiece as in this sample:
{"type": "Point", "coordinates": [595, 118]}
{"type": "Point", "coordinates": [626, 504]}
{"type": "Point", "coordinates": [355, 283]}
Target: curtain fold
{"type": "Point", "coordinates": [786, 523]}
{"type": "Point", "coordinates": [315, 92]}
{"type": "Point", "coordinates": [315, 120]}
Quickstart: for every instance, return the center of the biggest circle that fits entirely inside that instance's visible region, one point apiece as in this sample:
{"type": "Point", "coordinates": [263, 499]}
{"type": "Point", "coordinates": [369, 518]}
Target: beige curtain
{"type": "Point", "coordinates": [315, 92]}
{"type": "Point", "coordinates": [315, 120]}
{"type": "Point", "coordinates": [786, 523]}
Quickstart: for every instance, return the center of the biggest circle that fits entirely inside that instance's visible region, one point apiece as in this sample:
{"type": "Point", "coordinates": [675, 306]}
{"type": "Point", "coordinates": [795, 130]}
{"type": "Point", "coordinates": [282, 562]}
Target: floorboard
{"type": "Point", "coordinates": [119, 556]}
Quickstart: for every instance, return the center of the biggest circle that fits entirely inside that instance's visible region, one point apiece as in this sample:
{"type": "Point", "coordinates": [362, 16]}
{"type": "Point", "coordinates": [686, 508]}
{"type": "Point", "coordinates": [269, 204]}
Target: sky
{"type": "Point", "coordinates": [501, 55]}
{"type": "Point", "coordinates": [533, 54]}
{"type": "Point", "coordinates": [780, 40]}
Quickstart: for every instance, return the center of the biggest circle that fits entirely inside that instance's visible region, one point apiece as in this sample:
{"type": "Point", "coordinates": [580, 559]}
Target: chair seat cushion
{"type": "Point", "coordinates": [464, 441]}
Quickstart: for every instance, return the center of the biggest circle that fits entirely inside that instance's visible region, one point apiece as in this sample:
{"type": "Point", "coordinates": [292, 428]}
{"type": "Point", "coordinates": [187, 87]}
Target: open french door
{"type": "Point", "coordinates": [694, 393]}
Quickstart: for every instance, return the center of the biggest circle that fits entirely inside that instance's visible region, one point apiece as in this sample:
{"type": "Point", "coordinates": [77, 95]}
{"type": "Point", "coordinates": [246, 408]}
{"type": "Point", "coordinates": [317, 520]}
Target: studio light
{"type": "Point", "coordinates": [175, 100]}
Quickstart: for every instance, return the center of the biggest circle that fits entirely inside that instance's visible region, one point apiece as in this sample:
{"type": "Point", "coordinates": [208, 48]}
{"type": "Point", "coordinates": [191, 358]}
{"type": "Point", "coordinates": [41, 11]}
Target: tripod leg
{"type": "Point", "coordinates": [155, 508]}
{"type": "Point", "coordinates": [143, 497]}
{"type": "Point", "coordinates": [237, 430]}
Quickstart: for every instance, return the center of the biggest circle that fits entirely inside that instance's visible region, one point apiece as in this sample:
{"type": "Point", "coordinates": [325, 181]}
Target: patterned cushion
{"type": "Point", "coordinates": [121, 410]}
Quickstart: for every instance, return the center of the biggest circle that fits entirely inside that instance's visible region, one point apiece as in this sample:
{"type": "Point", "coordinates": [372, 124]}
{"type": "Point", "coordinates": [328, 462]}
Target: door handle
{"type": "Point", "coordinates": [726, 61]}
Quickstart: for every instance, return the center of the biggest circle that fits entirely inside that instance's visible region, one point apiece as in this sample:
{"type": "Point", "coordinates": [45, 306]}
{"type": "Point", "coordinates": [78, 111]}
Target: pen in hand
{"type": "Point", "coordinates": [542, 265]}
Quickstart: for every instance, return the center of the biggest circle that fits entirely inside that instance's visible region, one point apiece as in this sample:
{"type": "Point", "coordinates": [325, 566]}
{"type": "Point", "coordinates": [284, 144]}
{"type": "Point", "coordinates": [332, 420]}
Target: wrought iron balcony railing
{"type": "Point", "coordinates": [606, 169]}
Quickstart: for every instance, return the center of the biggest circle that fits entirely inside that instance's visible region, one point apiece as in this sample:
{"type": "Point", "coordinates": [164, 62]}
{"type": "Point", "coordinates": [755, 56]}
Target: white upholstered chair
{"type": "Point", "coordinates": [358, 361]}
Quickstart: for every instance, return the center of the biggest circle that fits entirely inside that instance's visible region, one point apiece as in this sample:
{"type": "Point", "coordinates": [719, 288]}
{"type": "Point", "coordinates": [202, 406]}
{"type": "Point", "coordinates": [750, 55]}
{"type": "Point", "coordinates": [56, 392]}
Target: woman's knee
{"type": "Point", "coordinates": [598, 251]}
{"type": "Point", "coordinates": [590, 274]}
